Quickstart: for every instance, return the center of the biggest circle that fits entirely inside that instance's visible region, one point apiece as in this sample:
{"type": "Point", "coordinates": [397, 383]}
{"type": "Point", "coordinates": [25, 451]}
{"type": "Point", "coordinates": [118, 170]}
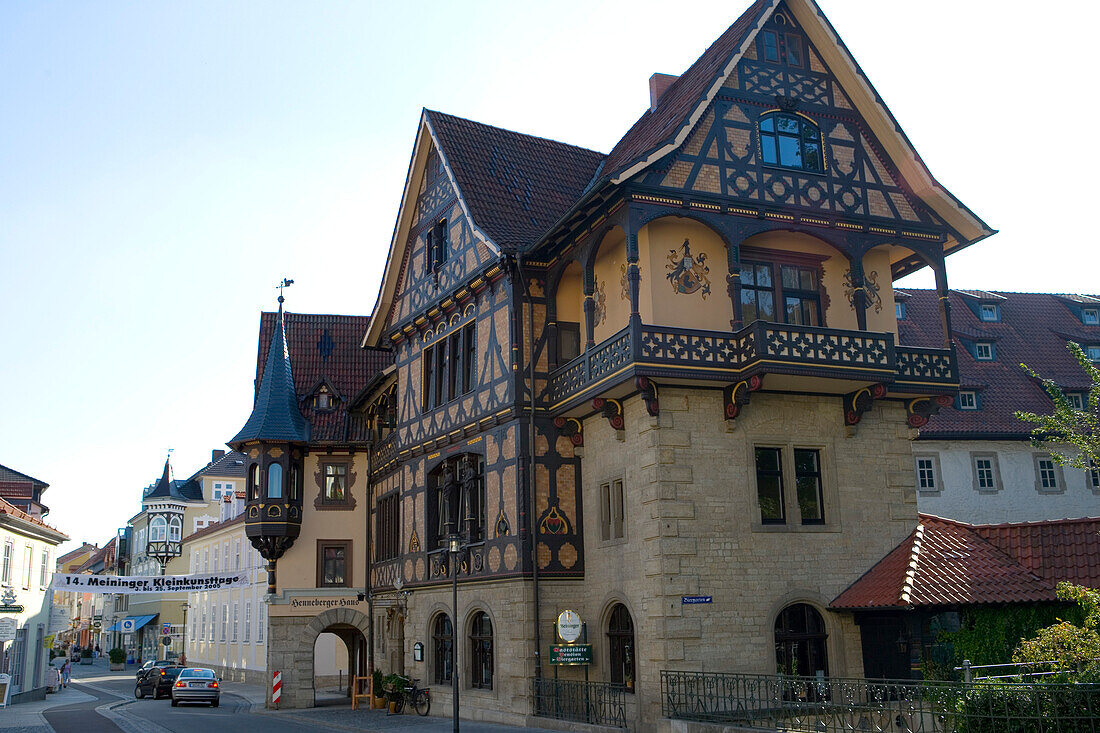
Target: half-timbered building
{"type": "Point", "coordinates": [626, 382]}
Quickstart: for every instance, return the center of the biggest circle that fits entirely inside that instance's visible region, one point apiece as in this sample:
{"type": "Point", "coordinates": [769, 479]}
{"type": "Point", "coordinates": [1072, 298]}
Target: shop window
{"type": "Point", "coordinates": [620, 644]}
{"type": "Point", "coordinates": [800, 642]}
{"type": "Point", "coordinates": [333, 563]}
{"type": "Point", "coordinates": [442, 650]}
{"type": "Point", "coordinates": [481, 652]}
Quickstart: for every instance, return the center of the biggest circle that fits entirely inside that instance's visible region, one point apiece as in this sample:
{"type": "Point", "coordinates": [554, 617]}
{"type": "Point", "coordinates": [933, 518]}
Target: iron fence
{"type": "Point", "coordinates": [833, 705]}
{"type": "Point", "coordinates": [596, 703]}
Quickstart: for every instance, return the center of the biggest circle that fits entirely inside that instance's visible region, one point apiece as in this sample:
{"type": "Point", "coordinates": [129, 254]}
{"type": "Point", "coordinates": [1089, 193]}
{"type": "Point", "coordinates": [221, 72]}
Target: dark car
{"type": "Point", "coordinates": [145, 668]}
{"type": "Point", "coordinates": [197, 684]}
{"type": "Point", "coordinates": [157, 682]}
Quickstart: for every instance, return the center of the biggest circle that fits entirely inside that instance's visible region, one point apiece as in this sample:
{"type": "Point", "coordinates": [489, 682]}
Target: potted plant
{"type": "Point", "coordinates": [394, 685]}
{"type": "Point", "coordinates": [86, 656]}
{"type": "Point", "coordinates": [377, 695]}
{"type": "Point", "coordinates": [118, 659]}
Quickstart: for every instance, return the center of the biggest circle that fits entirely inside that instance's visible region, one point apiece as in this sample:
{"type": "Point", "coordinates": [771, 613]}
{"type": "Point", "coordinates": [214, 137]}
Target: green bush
{"type": "Point", "coordinates": [995, 707]}
{"type": "Point", "coordinates": [117, 656]}
{"type": "Point", "coordinates": [86, 653]}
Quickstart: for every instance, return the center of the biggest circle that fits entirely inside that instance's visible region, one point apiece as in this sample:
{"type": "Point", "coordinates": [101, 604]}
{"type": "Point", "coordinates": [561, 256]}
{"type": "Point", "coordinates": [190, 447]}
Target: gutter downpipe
{"type": "Point", "coordinates": [530, 483]}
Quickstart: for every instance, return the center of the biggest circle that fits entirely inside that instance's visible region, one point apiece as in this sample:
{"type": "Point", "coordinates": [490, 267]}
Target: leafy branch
{"type": "Point", "coordinates": [1068, 426]}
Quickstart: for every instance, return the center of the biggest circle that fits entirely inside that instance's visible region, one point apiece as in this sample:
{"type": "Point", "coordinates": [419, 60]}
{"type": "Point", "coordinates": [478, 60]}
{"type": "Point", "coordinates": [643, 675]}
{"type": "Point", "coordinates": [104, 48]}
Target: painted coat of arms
{"type": "Point", "coordinates": [688, 274]}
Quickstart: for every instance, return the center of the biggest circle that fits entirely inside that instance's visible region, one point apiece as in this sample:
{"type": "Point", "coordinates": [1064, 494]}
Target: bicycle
{"type": "Point", "coordinates": [418, 698]}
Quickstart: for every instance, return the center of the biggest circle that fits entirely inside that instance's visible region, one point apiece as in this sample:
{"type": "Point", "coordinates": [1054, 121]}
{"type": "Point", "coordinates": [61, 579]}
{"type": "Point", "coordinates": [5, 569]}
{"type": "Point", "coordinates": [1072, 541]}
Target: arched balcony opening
{"type": "Point", "coordinates": [610, 295]}
{"type": "Point", "coordinates": [569, 313]}
{"type": "Point", "coordinates": [683, 269]}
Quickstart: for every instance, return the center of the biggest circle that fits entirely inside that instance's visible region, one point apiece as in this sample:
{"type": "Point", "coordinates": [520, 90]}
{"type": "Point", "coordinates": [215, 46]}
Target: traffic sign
{"type": "Point", "coordinates": [127, 626]}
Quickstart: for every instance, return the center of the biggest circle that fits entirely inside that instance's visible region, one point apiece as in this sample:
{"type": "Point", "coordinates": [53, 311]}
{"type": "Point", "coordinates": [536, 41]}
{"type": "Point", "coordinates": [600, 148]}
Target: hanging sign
{"type": "Point", "coordinates": [130, 584]}
{"type": "Point", "coordinates": [569, 626]}
{"type": "Point", "coordinates": [8, 627]}
{"type": "Point", "coordinates": [570, 654]}
{"type": "Point", "coordinates": [8, 603]}
{"type": "Point", "coordinates": [59, 619]}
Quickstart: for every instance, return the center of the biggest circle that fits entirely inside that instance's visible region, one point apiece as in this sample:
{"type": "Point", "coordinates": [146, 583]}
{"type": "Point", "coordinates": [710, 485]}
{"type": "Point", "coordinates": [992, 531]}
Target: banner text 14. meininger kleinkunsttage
{"type": "Point", "coordinates": [148, 583]}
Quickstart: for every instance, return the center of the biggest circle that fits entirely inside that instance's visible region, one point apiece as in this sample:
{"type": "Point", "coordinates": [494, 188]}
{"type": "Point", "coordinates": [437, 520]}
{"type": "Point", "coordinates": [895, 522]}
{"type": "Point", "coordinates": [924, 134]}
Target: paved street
{"type": "Point", "coordinates": [100, 701]}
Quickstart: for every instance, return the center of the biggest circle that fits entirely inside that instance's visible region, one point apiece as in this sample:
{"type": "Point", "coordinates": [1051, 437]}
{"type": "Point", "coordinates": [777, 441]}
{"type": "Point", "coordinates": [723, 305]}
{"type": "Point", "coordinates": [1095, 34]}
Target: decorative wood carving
{"type": "Point", "coordinates": [649, 395]}
{"type": "Point", "coordinates": [736, 396]}
{"type": "Point", "coordinates": [612, 410]}
{"type": "Point", "coordinates": [571, 428]}
{"type": "Point", "coordinates": [857, 403]}
{"type": "Point", "coordinates": [919, 410]}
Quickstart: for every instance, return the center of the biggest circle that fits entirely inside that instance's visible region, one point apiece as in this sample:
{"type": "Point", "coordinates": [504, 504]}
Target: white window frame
{"type": "Point", "coordinates": [236, 621]}
{"type": "Point", "coordinates": [968, 400]}
{"type": "Point", "coordinates": [1092, 351]}
{"type": "Point", "coordinates": [236, 554]}
{"type": "Point", "coordinates": [989, 312]}
{"type": "Point", "coordinates": [1090, 316]}
{"type": "Point", "coordinates": [206, 559]}
{"type": "Point", "coordinates": [9, 558]}
{"type": "Point", "coordinates": [158, 529]}
{"type": "Point", "coordinates": [899, 310]}
{"type": "Point", "coordinates": [214, 567]}
{"type": "Point", "coordinates": [977, 471]}
{"type": "Point", "coordinates": [202, 629]}
{"type": "Point", "coordinates": [28, 565]}
{"type": "Point", "coordinates": [225, 620]}
{"type": "Point", "coordinates": [261, 621]}
{"type": "Point", "coordinates": [983, 351]}
{"type": "Point", "coordinates": [933, 469]}
{"type": "Point", "coordinates": [247, 631]}
{"type": "Point", "coordinates": [1076, 400]}
{"type": "Point", "coordinates": [1048, 475]}
{"type": "Point", "coordinates": [44, 569]}
{"type": "Point", "coordinates": [175, 529]}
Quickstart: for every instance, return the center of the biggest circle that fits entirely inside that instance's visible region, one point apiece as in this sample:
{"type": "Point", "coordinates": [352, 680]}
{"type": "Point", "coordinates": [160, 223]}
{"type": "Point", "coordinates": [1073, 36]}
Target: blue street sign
{"type": "Point", "coordinates": [690, 600]}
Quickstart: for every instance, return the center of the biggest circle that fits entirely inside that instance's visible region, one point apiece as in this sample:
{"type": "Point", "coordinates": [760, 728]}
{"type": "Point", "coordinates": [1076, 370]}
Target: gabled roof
{"type": "Point", "coordinates": [275, 414]}
{"type": "Point", "coordinates": [230, 465]}
{"type": "Point", "coordinates": [9, 474]}
{"type": "Point", "coordinates": [1033, 329]}
{"type": "Point", "coordinates": [662, 130]}
{"type": "Point", "coordinates": [324, 348]}
{"type": "Point", "coordinates": [515, 186]}
{"type": "Point", "coordinates": [946, 563]}
{"type": "Point", "coordinates": [11, 514]}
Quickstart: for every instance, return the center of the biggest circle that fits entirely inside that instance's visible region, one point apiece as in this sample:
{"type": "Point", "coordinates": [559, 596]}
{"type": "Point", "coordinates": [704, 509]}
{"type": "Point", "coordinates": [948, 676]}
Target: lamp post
{"type": "Point", "coordinates": [454, 547]}
{"type": "Point", "coordinates": [457, 490]}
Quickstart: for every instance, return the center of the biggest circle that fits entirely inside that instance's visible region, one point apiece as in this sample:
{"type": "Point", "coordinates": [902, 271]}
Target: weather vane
{"type": "Point", "coordinates": [286, 283]}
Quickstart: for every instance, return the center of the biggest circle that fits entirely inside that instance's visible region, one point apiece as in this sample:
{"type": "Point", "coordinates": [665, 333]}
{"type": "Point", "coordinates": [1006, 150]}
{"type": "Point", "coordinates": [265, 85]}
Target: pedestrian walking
{"type": "Point", "coordinates": [66, 673]}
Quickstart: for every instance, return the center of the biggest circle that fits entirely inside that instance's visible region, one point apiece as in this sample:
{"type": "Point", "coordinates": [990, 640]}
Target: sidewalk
{"type": "Point", "coordinates": [378, 721]}
{"type": "Point", "coordinates": [27, 717]}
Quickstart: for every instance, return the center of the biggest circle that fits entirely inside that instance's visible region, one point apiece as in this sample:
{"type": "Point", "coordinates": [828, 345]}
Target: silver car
{"type": "Point", "coordinates": [197, 684]}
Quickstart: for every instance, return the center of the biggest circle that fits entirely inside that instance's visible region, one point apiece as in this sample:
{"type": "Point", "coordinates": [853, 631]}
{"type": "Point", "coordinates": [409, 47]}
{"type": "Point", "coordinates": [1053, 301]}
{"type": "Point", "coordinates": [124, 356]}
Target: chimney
{"type": "Point", "coordinates": [216, 454]}
{"type": "Point", "coordinates": [658, 85]}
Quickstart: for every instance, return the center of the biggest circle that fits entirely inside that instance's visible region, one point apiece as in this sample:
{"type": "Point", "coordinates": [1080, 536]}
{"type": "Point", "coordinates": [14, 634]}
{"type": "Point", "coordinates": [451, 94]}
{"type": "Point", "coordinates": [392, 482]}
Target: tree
{"type": "Point", "coordinates": [1075, 650]}
{"type": "Point", "coordinates": [1071, 435]}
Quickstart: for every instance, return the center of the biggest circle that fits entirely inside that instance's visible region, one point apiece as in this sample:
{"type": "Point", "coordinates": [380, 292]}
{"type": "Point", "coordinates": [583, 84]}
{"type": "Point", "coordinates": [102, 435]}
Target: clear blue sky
{"type": "Point", "coordinates": [163, 164]}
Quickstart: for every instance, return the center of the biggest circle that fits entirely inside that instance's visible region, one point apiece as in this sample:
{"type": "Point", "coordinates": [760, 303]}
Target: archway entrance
{"type": "Point", "coordinates": [293, 651]}
{"type": "Point", "coordinates": [339, 653]}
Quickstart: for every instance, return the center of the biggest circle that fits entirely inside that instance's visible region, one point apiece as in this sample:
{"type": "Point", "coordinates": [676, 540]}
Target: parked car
{"type": "Point", "coordinates": [157, 682]}
{"type": "Point", "coordinates": [197, 684]}
{"type": "Point", "coordinates": [153, 665]}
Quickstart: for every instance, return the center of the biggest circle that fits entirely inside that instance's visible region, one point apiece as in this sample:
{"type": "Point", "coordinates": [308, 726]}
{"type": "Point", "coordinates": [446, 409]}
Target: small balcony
{"type": "Point", "coordinates": [794, 358]}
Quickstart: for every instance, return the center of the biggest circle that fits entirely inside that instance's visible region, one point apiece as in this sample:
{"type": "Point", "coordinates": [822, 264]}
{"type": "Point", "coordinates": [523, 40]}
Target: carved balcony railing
{"type": "Point", "coordinates": [761, 347]}
{"type": "Point", "coordinates": [383, 456]}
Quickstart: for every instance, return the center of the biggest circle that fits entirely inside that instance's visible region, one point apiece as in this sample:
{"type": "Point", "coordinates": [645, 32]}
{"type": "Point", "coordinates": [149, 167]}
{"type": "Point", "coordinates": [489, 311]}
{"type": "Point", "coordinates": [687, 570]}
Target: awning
{"type": "Point", "coordinates": [116, 626]}
{"type": "Point", "coordinates": [139, 621]}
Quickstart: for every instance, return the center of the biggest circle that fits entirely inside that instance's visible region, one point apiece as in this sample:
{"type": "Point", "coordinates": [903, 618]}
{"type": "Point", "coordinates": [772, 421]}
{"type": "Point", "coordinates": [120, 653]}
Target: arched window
{"type": "Point", "coordinates": [274, 481]}
{"type": "Point", "coordinates": [620, 643]}
{"type": "Point", "coordinates": [791, 141]}
{"type": "Point", "coordinates": [254, 482]}
{"type": "Point", "coordinates": [175, 529]}
{"type": "Point", "coordinates": [157, 529]}
{"type": "Point", "coordinates": [800, 641]}
{"type": "Point", "coordinates": [443, 655]}
{"type": "Point", "coordinates": [481, 651]}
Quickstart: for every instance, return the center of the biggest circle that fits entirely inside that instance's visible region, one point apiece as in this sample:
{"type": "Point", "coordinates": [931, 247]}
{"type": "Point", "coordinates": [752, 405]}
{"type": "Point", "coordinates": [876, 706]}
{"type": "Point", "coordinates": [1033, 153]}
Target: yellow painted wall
{"type": "Point", "coordinates": [877, 261]}
{"type": "Point", "coordinates": [660, 304]}
{"type": "Point", "coordinates": [610, 260]}
{"type": "Point", "coordinates": [569, 299]}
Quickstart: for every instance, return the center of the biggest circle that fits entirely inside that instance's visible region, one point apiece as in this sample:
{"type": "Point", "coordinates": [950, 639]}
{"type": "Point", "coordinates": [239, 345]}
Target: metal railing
{"type": "Point", "coordinates": [1046, 668]}
{"type": "Point", "coordinates": [835, 705]}
{"type": "Point", "coordinates": [595, 703]}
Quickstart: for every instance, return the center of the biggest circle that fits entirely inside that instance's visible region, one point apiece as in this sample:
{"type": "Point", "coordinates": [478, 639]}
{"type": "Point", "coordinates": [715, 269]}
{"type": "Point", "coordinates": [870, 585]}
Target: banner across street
{"type": "Point", "coordinates": [148, 583]}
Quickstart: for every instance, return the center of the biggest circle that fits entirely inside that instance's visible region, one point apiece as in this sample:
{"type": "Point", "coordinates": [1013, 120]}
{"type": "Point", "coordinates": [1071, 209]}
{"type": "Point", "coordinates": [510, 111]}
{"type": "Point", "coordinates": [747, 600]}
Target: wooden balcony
{"type": "Point", "coordinates": [795, 358]}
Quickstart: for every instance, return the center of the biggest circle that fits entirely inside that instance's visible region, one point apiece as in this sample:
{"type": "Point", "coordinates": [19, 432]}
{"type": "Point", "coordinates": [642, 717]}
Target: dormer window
{"type": "Point", "coordinates": [791, 141]}
{"type": "Point", "coordinates": [1090, 317]}
{"type": "Point", "coordinates": [899, 311]}
{"type": "Point", "coordinates": [990, 312]}
{"type": "Point", "coordinates": [1076, 400]}
{"type": "Point", "coordinates": [324, 399]}
{"type": "Point", "coordinates": [968, 401]}
{"type": "Point", "coordinates": [983, 351]}
{"type": "Point", "coordinates": [1093, 352]}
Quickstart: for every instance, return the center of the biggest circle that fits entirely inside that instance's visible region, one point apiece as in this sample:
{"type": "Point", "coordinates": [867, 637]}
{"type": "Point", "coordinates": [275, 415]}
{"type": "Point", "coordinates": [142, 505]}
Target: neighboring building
{"type": "Point", "coordinates": [197, 503]}
{"type": "Point", "coordinates": [23, 491]}
{"type": "Point", "coordinates": [27, 550]}
{"type": "Point", "coordinates": [77, 605]}
{"type": "Point", "coordinates": [974, 460]}
{"type": "Point", "coordinates": [306, 492]}
{"type": "Point", "coordinates": [98, 610]}
{"type": "Point", "coordinates": [627, 379]}
{"type": "Point", "coordinates": [227, 629]}
{"type": "Point", "coordinates": [944, 566]}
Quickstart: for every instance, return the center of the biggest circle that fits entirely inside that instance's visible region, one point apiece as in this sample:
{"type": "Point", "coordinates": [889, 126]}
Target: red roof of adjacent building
{"type": "Point", "coordinates": [944, 563]}
{"type": "Point", "coordinates": [9, 509]}
{"type": "Point", "coordinates": [1033, 329]}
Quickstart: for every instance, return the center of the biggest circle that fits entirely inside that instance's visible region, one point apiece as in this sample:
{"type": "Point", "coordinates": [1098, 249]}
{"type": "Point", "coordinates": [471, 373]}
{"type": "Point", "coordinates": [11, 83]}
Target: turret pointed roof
{"type": "Point", "coordinates": [275, 414]}
{"type": "Point", "coordinates": [163, 487]}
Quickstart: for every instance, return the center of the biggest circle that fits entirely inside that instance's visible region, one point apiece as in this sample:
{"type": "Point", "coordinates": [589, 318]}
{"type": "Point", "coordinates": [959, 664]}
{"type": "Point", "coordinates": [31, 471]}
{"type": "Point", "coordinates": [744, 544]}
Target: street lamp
{"type": "Point", "coordinates": [457, 493]}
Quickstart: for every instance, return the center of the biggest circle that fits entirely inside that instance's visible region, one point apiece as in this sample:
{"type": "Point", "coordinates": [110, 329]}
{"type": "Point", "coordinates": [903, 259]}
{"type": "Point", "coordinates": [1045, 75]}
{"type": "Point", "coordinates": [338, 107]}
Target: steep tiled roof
{"type": "Point", "coordinates": [944, 562]}
{"type": "Point", "coordinates": [275, 414]}
{"type": "Point", "coordinates": [516, 186]}
{"type": "Point", "coordinates": [231, 465]}
{"type": "Point", "coordinates": [168, 488]}
{"type": "Point", "coordinates": [8, 474]}
{"type": "Point", "coordinates": [660, 125]}
{"type": "Point", "coordinates": [325, 348]}
{"type": "Point", "coordinates": [7, 509]}
{"type": "Point", "coordinates": [1033, 329]}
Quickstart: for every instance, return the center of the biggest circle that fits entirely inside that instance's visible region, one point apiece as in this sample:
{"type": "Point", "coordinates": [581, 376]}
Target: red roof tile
{"type": "Point", "coordinates": [15, 512]}
{"type": "Point", "coordinates": [1033, 329]}
{"type": "Point", "coordinates": [325, 348]}
{"type": "Point", "coordinates": [516, 186]}
{"type": "Point", "coordinates": [944, 562]}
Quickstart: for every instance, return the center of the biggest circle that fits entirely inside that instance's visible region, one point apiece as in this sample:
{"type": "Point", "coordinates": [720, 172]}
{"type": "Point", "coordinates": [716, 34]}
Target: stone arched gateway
{"type": "Point", "coordinates": [291, 644]}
